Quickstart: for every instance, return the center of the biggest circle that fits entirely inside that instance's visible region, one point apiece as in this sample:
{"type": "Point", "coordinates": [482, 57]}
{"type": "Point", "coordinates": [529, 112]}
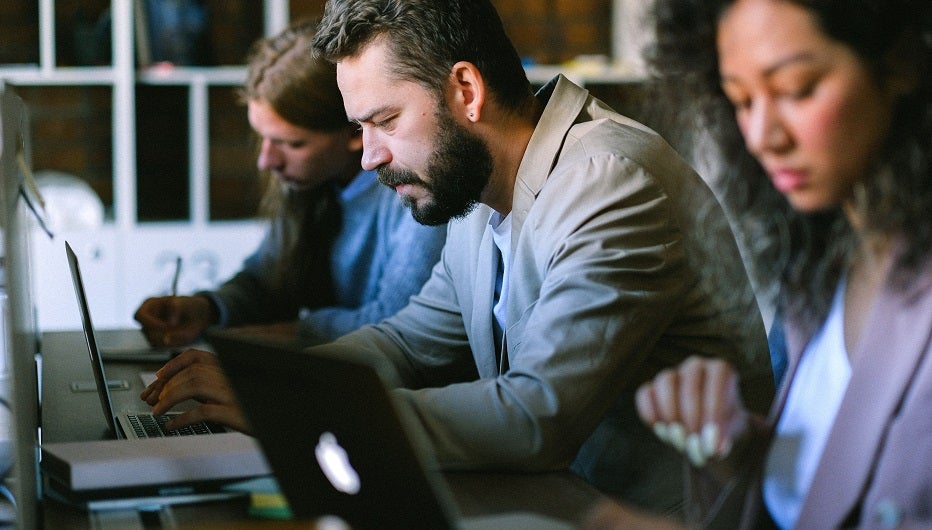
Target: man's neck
{"type": "Point", "coordinates": [508, 140]}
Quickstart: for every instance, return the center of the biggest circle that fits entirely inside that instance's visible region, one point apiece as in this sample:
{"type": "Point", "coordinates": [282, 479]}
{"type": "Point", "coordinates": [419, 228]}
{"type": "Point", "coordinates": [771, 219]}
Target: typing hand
{"type": "Point", "coordinates": [197, 375]}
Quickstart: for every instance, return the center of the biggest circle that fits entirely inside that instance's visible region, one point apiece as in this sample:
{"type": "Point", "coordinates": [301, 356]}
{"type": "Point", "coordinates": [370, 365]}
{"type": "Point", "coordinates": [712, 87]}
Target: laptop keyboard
{"type": "Point", "coordinates": [153, 426]}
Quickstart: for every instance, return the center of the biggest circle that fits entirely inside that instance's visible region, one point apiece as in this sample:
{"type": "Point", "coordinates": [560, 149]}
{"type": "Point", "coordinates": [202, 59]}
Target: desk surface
{"type": "Point", "coordinates": [69, 415]}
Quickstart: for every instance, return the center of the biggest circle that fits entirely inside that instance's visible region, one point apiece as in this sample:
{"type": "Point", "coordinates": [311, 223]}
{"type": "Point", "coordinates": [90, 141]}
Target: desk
{"type": "Point", "coordinates": [74, 416]}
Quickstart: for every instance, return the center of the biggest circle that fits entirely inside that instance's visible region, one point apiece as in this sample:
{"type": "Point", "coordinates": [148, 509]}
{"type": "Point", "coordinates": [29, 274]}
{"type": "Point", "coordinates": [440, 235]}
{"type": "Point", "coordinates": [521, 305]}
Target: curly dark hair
{"type": "Point", "coordinates": [800, 255]}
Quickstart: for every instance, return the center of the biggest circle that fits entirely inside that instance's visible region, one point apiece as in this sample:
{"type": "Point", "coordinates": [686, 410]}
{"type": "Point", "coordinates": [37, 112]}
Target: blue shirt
{"type": "Point", "coordinates": [380, 258]}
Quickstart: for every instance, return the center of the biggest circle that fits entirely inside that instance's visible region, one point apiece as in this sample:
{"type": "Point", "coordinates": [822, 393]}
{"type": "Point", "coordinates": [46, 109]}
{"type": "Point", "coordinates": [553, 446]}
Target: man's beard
{"type": "Point", "coordinates": [459, 170]}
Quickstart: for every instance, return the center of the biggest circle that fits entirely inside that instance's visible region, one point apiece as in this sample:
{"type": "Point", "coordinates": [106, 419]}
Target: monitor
{"type": "Point", "coordinates": [19, 207]}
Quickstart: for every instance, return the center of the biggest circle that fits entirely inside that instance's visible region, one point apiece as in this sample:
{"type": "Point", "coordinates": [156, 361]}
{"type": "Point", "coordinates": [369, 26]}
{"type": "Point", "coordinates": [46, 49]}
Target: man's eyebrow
{"type": "Point", "coordinates": [368, 117]}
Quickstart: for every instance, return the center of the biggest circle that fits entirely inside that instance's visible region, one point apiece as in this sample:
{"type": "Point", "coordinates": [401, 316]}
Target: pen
{"type": "Point", "coordinates": [175, 277]}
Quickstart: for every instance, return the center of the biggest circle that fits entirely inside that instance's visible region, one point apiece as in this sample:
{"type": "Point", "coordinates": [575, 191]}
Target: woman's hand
{"type": "Point", "coordinates": [695, 407]}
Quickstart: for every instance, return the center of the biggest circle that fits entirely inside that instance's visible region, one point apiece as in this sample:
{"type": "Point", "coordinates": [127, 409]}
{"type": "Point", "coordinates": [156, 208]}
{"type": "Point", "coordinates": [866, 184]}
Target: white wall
{"type": "Point", "coordinates": [123, 268]}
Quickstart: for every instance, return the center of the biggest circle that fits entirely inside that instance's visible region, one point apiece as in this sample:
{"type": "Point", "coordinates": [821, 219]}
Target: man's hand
{"type": "Point", "coordinates": [197, 375]}
{"type": "Point", "coordinates": [174, 320]}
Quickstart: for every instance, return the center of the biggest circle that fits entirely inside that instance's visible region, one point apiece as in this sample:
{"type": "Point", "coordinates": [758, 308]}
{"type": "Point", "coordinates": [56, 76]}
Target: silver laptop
{"type": "Point", "coordinates": [126, 424]}
{"type": "Point", "coordinates": [338, 445]}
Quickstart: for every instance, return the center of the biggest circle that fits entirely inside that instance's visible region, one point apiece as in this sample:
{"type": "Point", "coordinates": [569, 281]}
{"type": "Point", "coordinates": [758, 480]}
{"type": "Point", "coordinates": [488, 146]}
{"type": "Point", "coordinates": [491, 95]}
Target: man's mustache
{"type": "Point", "coordinates": [391, 177]}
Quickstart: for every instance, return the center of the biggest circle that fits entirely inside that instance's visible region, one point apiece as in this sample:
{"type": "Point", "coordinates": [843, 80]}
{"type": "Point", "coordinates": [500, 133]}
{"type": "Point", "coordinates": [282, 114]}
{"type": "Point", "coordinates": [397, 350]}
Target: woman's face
{"type": "Point", "coordinates": [808, 108]}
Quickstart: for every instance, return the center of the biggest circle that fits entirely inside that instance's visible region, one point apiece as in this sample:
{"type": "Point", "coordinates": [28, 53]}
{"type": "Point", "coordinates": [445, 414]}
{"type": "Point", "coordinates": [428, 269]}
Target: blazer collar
{"type": "Point", "coordinates": [563, 102]}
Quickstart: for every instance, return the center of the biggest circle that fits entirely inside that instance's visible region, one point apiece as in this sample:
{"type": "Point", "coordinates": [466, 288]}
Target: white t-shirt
{"type": "Point", "coordinates": [501, 236]}
{"type": "Point", "coordinates": [816, 393]}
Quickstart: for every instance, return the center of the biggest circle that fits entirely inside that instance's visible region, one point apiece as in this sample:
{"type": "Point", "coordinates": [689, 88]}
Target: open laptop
{"type": "Point", "coordinates": [127, 424]}
{"type": "Point", "coordinates": [338, 445]}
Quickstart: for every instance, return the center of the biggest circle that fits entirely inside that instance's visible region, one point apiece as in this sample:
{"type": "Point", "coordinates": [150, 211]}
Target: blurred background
{"type": "Point", "coordinates": [144, 154]}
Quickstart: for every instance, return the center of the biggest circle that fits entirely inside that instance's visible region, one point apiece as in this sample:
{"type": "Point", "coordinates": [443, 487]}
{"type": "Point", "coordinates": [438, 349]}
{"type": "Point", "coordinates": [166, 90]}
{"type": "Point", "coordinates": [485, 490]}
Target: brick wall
{"type": "Point", "coordinates": [554, 31]}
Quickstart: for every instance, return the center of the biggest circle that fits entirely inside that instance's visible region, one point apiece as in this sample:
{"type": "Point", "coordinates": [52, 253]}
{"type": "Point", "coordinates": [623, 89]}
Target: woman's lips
{"type": "Point", "coordinates": [788, 180]}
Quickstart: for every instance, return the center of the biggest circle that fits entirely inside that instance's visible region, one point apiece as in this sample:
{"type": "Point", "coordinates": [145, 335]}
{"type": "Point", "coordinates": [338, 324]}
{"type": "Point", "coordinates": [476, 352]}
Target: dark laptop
{"type": "Point", "coordinates": [337, 444]}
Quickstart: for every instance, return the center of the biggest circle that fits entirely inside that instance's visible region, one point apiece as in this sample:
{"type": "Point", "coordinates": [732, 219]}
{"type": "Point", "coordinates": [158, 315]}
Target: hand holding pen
{"type": "Point", "coordinates": [174, 320]}
{"type": "Point", "coordinates": [174, 289]}
{"type": "Point", "coordinates": [174, 314]}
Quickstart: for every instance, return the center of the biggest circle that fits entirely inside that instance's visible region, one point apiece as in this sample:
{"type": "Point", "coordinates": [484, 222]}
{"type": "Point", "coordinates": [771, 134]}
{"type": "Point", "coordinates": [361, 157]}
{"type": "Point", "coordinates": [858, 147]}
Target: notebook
{"type": "Point", "coordinates": [338, 445]}
{"type": "Point", "coordinates": [125, 347]}
{"type": "Point", "coordinates": [127, 424]}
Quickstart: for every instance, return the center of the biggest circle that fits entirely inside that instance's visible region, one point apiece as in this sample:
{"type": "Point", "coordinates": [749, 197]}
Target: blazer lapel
{"type": "Point", "coordinates": [564, 101]}
{"type": "Point", "coordinates": [886, 360]}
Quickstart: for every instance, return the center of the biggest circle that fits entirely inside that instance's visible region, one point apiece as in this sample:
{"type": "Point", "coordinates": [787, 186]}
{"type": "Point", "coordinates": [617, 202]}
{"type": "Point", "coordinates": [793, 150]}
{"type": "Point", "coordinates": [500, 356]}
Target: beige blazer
{"type": "Point", "coordinates": [602, 295]}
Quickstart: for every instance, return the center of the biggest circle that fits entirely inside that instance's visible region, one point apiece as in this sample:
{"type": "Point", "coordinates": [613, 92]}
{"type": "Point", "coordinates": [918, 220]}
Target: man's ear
{"type": "Point", "coordinates": [468, 91]}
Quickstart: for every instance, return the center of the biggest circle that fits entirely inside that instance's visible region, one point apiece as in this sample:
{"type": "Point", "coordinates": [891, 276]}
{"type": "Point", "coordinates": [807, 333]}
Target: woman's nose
{"type": "Point", "coordinates": [764, 129]}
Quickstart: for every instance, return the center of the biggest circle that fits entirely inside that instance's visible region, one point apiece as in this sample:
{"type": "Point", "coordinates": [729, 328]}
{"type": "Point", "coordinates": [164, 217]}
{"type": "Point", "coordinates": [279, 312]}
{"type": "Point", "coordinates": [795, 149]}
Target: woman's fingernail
{"type": "Point", "coordinates": [710, 439]}
{"type": "Point", "coordinates": [662, 431]}
{"type": "Point", "coordinates": [677, 436]}
{"type": "Point", "coordinates": [694, 450]}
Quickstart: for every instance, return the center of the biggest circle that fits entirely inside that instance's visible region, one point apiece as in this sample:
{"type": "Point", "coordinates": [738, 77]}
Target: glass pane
{"type": "Point", "coordinates": [235, 186]}
{"type": "Point", "coordinates": [19, 25]}
{"type": "Point", "coordinates": [232, 28]}
{"type": "Point", "coordinates": [162, 174]}
{"type": "Point", "coordinates": [71, 133]}
{"type": "Point", "coordinates": [83, 33]}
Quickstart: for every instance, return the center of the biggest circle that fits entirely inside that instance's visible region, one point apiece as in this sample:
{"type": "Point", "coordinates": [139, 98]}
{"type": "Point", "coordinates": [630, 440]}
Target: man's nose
{"type": "Point", "coordinates": [374, 153]}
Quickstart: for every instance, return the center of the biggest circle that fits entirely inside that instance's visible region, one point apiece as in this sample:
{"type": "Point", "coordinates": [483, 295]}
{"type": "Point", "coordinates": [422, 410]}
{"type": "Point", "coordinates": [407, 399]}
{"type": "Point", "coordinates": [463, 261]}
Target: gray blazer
{"type": "Point", "coordinates": [604, 293]}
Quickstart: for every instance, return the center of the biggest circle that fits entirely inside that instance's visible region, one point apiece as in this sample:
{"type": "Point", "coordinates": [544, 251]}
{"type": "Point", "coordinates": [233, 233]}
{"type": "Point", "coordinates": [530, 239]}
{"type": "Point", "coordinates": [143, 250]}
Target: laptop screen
{"type": "Point", "coordinates": [333, 436]}
{"type": "Point", "coordinates": [97, 363]}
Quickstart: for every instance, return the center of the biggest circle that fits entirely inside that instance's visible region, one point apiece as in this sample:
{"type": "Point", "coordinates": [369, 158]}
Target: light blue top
{"type": "Point", "coordinates": [380, 258]}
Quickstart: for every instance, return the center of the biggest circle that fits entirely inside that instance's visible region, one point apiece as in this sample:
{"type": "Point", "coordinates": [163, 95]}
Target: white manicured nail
{"type": "Point", "coordinates": [662, 431]}
{"type": "Point", "coordinates": [677, 436]}
{"type": "Point", "coordinates": [710, 439]}
{"type": "Point", "coordinates": [694, 450]}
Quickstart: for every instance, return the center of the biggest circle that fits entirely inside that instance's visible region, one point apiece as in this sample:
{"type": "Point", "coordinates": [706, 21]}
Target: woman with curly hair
{"type": "Point", "coordinates": [821, 112]}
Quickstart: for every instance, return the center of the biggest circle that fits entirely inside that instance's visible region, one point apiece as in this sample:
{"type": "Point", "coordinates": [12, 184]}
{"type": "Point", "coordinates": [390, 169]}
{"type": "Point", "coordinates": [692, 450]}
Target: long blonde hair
{"type": "Point", "coordinates": [285, 72]}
